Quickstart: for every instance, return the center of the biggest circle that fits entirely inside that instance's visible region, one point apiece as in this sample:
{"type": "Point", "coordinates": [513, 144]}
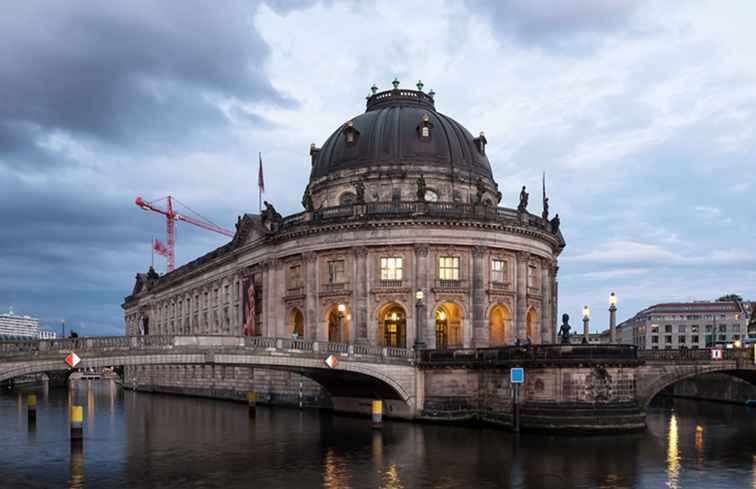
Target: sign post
{"type": "Point", "coordinates": [516, 377]}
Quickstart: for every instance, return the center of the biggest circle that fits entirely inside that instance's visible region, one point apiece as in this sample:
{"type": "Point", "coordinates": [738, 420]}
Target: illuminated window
{"type": "Point", "coordinates": [499, 270]}
{"type": "Point", "coordinates": [391, 268]}
{"type": "Point", "coordinates": [448, 267]}
{"type": "Point", "coordinates": [336, 272]}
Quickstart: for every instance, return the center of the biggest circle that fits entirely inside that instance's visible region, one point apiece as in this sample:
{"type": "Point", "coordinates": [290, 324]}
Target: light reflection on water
{"type": "Point", "coordinates": [673, 454]}
{"type": "Point", "coordinates": [144, 440]}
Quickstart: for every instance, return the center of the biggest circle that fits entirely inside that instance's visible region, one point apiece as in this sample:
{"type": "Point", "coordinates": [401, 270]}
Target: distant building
{"type": "Point", "coordinates": [46, 334]}
{"type": "Point", "coordinates": [698, 324]}
{"type": "Point", "coordinates": [15, 326]}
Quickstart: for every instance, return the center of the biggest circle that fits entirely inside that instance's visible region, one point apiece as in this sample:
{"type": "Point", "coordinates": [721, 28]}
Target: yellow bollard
{"type": "Point", "coordinates": [77, 423]}
{"type": "Point", "coordinates": [252, 402]}
{"type": "Point", "coordinates": [377, 418]}
{"type": "Point", "coordinates": [31, 408]}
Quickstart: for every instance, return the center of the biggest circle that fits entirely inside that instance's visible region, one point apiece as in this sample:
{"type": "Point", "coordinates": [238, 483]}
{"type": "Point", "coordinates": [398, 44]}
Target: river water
{"type": "Point", "coordinates": [156, 441]}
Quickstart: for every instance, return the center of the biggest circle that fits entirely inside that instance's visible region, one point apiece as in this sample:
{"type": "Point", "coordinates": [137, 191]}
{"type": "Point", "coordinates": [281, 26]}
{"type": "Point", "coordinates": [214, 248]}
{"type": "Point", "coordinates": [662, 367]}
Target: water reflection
{"type": "Point", "coordinates": [673, 455]}
{"type": "Point", "coordinates": [698, 444]}
{"type": "Point", "coordinates": [76, 467]}
{"type": "Point", "coordinates": [174, 442]}
{"type": "Point", "coordinates": [391, 478]}
{"type": "Point", "coordinates": [336, 474]}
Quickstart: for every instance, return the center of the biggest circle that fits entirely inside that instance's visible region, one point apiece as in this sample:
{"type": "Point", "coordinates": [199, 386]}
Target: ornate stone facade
{"type": "Point", "coordinates": [401, 198]}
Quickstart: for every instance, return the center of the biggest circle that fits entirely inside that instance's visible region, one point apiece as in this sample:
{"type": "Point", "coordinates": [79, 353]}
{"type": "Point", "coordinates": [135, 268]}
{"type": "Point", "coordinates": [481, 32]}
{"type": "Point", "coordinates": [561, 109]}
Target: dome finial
{"type": "Point", "coordinates": [395, 83]}
{"type": "Point", "coordinates": [431, 94]}
{"type": "Point", "coordinates": [420, 85]}
{"type": "Point", "coordinates": [374, 89]}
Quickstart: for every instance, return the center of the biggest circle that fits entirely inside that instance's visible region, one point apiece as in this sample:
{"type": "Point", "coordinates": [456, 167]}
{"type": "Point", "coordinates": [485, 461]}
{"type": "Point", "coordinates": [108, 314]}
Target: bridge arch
{"type": "Point", "coordinates": [648, 390]}
{"type": "Point", "coordinates": [360, 372]}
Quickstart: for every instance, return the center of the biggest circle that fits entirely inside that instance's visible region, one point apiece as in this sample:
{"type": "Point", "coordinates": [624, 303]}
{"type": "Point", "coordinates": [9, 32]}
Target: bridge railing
{"type": "Point", "coordinates": [695, 355]}
{"type": "Point", "coordinates": [14, 349]}
{"type": "Point", "coordinates": [533, 353]}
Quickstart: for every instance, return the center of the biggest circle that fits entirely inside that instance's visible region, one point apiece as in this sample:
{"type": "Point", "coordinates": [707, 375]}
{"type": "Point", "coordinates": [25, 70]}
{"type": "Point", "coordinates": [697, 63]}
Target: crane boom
{"type": "Point", "coordinates": [170, 217]}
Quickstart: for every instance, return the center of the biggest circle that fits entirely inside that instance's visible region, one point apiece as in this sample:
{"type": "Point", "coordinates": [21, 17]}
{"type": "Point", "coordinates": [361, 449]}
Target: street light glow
{"type": "Point", "coordinates": [419, 294]}
{"type": "Point", "coordinates": [341, 307]}
{"type": "Point", "coordinates": [612, 299]}
{"type": "Point", "coordinates": [586, 312]}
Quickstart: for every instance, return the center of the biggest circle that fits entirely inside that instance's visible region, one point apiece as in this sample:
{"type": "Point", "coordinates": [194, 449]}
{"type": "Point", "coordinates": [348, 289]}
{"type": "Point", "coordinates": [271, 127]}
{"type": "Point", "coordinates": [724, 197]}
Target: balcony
{"type": "Point", "coordinates": [390, 284]}
{"type": "Point", "coordinates": [295, 291]}
{"type": "Point", "coordinates": [445, 284]}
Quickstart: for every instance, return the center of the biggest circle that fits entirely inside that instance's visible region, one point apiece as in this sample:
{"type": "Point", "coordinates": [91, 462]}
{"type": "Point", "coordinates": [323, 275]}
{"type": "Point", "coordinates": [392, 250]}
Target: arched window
{"type": "Point", "coordinates": [347, 198]}
{"type": "Point", "coordinates": [395, 327]}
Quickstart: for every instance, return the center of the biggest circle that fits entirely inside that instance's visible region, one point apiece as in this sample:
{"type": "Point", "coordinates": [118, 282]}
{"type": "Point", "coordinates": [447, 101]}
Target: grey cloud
{"type": "Point", "coordinates": [563, 25]}
{"type": "Point", "coordinates": [125, 73]}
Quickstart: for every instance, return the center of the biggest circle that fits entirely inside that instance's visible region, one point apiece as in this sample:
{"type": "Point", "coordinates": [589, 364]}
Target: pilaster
{"type": "Point", "coordinates": [360, 282]}
{"type": "Point", "coordinates": [521, 295]}
{"type": "Point", "coordinates": [422, 281]}
{"type": "Point", "coordinates": [480, 329]}
{"type": "Point", "coordinates": [312, 307]}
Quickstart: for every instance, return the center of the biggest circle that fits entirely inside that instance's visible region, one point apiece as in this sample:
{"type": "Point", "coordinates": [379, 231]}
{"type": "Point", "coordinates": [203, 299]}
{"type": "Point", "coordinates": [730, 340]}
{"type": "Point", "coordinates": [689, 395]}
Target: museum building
{"type": "Point", "coordinates": [401, 206]}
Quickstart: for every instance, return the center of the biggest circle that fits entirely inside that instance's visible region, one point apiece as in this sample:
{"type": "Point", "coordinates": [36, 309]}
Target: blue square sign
{"type": "Point", "coordinates": [517, 375]}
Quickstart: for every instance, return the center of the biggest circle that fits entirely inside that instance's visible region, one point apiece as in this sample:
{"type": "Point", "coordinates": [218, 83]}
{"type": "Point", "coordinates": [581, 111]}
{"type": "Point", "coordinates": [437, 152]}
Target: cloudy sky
{"type": "Point", "coordinates": [641, 114]}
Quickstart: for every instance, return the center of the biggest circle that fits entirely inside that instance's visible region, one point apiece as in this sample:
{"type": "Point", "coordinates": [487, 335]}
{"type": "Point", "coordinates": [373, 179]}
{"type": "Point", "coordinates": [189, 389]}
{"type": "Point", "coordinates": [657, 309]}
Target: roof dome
{"type": "Point", "coordinates": [402, 128]}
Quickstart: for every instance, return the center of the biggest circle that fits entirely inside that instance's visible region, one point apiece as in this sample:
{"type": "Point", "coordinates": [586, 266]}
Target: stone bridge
{"type": "Point", "coordinates": [663, 368]}
{"type": "Point", "coordinates": [576, 387]}
{"type": "Point", "coordinates": [361, 371]}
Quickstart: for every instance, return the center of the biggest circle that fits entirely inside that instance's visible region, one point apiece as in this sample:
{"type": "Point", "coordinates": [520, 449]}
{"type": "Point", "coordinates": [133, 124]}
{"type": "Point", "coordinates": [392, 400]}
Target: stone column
{"type": "Point", "coordinates": [521, 295]}
{"type": "Point", "coordinates": [312, 311]}
{"type": "Point", "coordinates": [360, 284]}
{"type": "Point", "coordinates": [422, 278]}
{"type": "Point", "coordinates": [547, 319]}
{"type": "Point", "coordinates": [555, 301]}
{"type": "Point", "coordinates": [480, 329]}
{"type": "Point", "coordinates": [281, 319]}
{"type": "Point", "coordinates": [267, 303]}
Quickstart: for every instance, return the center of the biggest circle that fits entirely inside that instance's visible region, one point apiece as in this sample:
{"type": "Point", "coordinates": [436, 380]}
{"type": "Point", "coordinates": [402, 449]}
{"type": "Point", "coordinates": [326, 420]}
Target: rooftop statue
{"type": "Point", "coordinates": [523, 206]}
{"type": "Point", "coordinates": [359, 189]}
{"type": "Point", "coordinates": [555, 224]}
{"type": "Point", "coordinates": [421, 188]}
{"type": "Point", "coordinates": [564, 331]}
{"type": "Point", "coordinates": [480, 191]}
{"type": "Point", "coordinates": [307, 200]}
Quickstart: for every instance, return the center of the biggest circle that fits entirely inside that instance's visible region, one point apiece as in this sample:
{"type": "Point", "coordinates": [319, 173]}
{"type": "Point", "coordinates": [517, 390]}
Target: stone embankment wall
{"type": "Point", "coordinates": [228, 382]}
{"type": "Point", "coordinates": [714, 387]}
{"type": "Point", "coordinates": [571, 398]}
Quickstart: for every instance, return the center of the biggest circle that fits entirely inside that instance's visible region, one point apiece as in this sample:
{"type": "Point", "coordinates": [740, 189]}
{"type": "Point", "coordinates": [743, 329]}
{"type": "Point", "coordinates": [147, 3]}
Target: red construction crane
{"type": "Point", "coordinates": [170, 217]}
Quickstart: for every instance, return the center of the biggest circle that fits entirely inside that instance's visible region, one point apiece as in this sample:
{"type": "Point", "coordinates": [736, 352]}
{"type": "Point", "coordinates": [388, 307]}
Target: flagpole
{"type": "Point", "coordinates": [259, 187]}
{"type": "Point", "coordinates": [152, 252]}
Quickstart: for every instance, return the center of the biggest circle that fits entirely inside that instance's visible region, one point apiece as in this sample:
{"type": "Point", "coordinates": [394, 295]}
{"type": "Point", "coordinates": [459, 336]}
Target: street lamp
{"type": "Point", "coordinates": [341, 308]}
{"type": "Point", "coordinates": [586, 321]}
{"type": "Point", "coordinates": [419, 320]}
{"type": "Point", "coordinates": [612, 318]}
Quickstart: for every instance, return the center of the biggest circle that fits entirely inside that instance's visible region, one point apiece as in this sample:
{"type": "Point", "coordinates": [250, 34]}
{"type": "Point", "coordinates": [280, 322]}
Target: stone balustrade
{"type": "Point", "coordinates": [12, 351]}
{"type": "Point", "coordinates": [405, 209]}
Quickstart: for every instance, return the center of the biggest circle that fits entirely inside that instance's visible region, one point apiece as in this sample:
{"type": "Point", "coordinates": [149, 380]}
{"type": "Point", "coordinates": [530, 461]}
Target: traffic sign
{"type": "Point", "coordinates": [716, 354]}
{"type": "Point", "coordinates": [517, 375]}
{"type": "Point", "coordinates": [72, 360]}
{"type": "Point", "coordinates": [331, 361]}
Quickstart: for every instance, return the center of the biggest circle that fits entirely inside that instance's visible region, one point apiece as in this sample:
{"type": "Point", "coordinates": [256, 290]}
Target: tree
{"type": "Point", "coordinates": [730, 297]}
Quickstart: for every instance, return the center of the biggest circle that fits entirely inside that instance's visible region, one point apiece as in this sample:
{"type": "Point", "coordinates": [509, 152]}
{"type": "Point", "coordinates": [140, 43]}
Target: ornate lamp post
{"type": "Point", "coordinates": [341, 308]}
{"type": "Point", "coordinates": [586, 321]}
{"type": "Point", "coordinates": [420, 320]}
{"type": "Point", "coordinates": [612, 318]}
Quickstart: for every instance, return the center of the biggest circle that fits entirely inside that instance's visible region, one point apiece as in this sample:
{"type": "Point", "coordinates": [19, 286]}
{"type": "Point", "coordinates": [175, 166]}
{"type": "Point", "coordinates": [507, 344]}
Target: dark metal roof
{"type": "Point", "coordinates": [388, 134]}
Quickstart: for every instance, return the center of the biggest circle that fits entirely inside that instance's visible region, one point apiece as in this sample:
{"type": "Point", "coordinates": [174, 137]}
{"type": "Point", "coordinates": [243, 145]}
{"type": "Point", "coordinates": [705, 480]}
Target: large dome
{"type": "Point", "coordinates": [401, 128]}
